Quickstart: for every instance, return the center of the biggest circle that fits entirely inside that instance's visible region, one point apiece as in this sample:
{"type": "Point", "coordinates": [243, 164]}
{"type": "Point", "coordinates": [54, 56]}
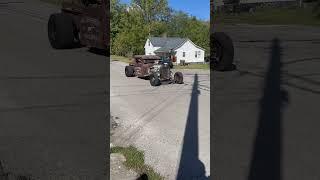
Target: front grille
{"type": "Point", "coordinates": [165, 72]}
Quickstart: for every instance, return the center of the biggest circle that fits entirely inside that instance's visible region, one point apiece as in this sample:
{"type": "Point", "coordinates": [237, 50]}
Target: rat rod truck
{"type": "Point", "coordinates": [80, 23]}
{"type": "Point", "coordinates": [153, 67]}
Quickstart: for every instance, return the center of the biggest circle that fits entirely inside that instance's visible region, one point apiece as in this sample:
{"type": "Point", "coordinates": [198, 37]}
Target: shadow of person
{"type": "Point", "coordinates": [190, 167]}
{"type": "Point", "coordinates": [266, 158]}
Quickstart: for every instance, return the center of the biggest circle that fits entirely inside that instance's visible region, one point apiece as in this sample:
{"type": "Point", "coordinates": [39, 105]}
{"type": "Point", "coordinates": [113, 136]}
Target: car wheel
{"type": "Point", "coordinates": [154, 80]}
{"type": "Point", "coordinates": [61, 31]}
{"type": "Point", "coordinates": [223, 52]}
{"type": "Point", "coordinates": [178, 78]}
{"type": "Point", "coordinates": [129, 71]}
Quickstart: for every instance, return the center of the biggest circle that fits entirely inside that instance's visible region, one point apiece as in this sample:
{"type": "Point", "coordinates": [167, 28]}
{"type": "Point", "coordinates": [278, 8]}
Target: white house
{"type": "Point", "coordinates": [183, 48]}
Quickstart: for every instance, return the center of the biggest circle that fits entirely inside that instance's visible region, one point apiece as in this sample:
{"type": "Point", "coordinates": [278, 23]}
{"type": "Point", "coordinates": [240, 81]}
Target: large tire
{"type": "Point", "coordinates": [61, 31]}
{"type": "Point", "coordinates": [178, 78]}
{"type": "Point", "coordinates": [154, 80]}
{"type": "Point", "coordinates": [224, 55]}
{"type": "Point", "coordinates": [129, 71]}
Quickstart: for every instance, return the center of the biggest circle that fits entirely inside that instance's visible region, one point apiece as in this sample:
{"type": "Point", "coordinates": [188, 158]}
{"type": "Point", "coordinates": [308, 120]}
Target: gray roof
{"type": "Point", "coordinates": [167, 43]}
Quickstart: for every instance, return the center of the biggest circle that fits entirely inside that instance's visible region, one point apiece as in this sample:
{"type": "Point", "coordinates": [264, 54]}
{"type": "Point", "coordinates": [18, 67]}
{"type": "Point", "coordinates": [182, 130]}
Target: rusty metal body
{"type": "Point", "coordinates": [143, 63]}
{"type": "Point", "coordinates": [154, 68]}
{"type": "Point", "coordinates": [91, 22]}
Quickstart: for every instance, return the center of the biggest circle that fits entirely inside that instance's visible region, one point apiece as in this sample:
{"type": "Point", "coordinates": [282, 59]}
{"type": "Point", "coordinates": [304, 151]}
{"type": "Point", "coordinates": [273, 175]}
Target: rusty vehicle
{"type": "Point", "coordinates": [154, 68]}
{"type": "Point", "coordinates": [222, 48]}
{"type": "Point", "coordinates": [140, 65]}
{"type": "Point", "coordinates": [80, 23]}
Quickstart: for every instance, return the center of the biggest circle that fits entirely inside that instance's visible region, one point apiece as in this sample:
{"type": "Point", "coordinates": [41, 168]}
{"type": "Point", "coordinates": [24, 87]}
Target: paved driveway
{"type": "Point", "coordinates": [265, 117]}
{"type": "Point", "coordinates": [170, 123]}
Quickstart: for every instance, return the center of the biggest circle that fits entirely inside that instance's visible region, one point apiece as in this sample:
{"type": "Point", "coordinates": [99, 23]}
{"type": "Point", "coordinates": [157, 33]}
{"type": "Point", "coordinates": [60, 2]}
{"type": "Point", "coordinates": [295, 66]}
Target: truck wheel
{"type": "Point", "coordinates": [61, 31]}
{"type": "Point", "coordinates": [129, 71]}
{"type": "Point", "coordinates": [154, 80]}
{"type": "Point", "coordinates": [178, 78]}
{"type": "Point", "coordinates": [223, 51]}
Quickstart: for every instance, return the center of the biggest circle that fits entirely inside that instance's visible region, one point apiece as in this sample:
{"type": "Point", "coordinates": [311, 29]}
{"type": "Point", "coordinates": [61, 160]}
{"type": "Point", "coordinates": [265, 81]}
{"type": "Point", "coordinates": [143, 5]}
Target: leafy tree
{"type": "Point", "coordinates": [154, 10]}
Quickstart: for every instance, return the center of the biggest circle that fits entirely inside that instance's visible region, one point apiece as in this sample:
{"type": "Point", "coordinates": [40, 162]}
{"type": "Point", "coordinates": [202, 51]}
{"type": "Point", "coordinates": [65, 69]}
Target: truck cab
{"type": "Point", "coordinates": [80, 23]}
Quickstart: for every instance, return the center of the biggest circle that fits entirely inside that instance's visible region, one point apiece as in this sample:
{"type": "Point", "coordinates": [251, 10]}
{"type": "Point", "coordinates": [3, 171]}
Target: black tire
{"type": "Point", "coordinates": [154, 80]}
{"type": "Point", "coordinates": [61, 31]}
{"type": "Point", "coordinates": [129, 71]}
{"type": "Point", "coordinates": [224, 51]}
{"type": "Point", "coordinates": [178, 78]}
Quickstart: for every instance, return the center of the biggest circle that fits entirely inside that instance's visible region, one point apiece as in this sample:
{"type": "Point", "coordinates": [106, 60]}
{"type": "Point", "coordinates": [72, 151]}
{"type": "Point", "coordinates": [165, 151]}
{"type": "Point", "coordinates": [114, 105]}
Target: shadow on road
{"type": "Point", "coordinates": [10, 176]}
{"type": "Point", "coordinates": [190, 166]}
{"type": "Point", "coordinates": [267, 158]}
{"type": "Point", "coordinates": [52, 106]}
{"type": "Point", "coordinates": [293, 85]}
{"type": "Point", "coordinates": [100, 52]}
{"type": "Point", "coordinates": [92, 76]}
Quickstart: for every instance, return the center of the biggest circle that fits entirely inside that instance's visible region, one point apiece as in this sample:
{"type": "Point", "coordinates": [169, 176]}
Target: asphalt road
{"type": "Point", "coordinates": [265, 114]}
{"type": "Point", "coordinates": [52, 102]}
{"type": "Point", "coordinates": [170, 123]}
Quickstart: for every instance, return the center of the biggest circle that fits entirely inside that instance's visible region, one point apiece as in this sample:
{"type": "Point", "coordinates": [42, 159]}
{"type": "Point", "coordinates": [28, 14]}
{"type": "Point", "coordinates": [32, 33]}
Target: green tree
{"type": "Point", "coordinates": [132, 34]}
{"type": "Point", "coordinates": [154, 10]}
{"type": "Point", "coordinates": [183, 25]}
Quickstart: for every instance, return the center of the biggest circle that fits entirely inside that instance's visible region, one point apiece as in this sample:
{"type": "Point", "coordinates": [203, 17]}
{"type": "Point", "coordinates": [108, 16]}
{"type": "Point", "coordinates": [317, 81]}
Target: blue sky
{"type": "Point", "coordinates": [198, 8]}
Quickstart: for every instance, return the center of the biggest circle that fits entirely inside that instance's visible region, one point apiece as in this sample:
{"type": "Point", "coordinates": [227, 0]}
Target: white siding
{"type": "Point", "coordinates": [149, 50]}
{"type": "Point", "coordinates": [189, 48]}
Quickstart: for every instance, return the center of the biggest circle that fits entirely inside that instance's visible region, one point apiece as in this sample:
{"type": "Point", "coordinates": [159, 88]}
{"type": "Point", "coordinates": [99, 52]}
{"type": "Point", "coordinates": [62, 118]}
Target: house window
{"type": "Point", "coordinates": [183, 54]}
{"type": "Point", "coordinates": [196, 54]}
{"type": "Point", "coordinates": [199, 53]}
{"type": "Point", "coordinates": [149, 43]}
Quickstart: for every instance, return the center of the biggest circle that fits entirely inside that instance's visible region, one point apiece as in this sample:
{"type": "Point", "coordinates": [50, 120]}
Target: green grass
{"type": "Point", "coordinates": [193, 66]}
{"type": "Point", "coordinates": [135, 161]}
{"type": "Point", "coordinates": [120, 58]}
{"type": "Point", "coordinates": [272, 16]}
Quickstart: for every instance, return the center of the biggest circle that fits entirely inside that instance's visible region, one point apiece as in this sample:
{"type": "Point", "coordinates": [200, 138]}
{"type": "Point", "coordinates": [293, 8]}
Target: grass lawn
{"type": "Point", "coordinates": [193, 66]}
{"type": "Point", "coordinates": [135, 161]}
{"type": "Point", "coordinates": [120, 58]}
{"type": "Point", "coordinates": [272, 16]}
